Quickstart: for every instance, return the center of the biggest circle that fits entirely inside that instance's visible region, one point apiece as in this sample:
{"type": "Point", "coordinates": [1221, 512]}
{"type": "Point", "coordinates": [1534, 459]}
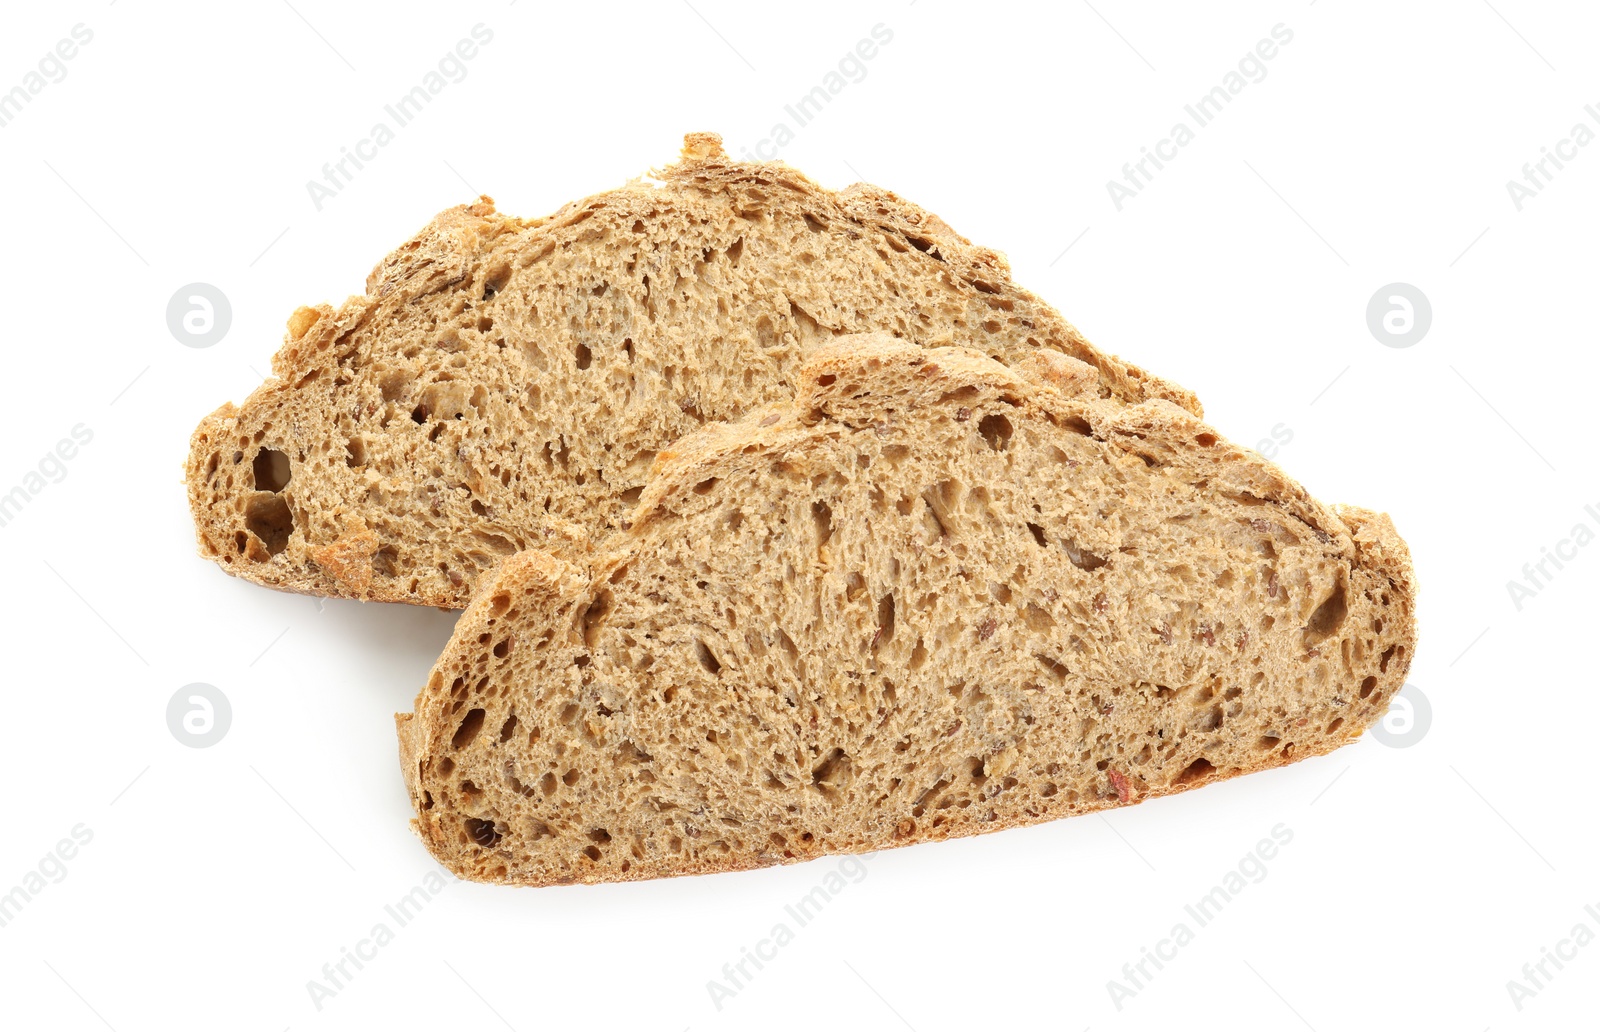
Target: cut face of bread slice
{"type": "Point", "coordinates": [505, 383]}
{"type": "Point", "coordinates": [932, 596]}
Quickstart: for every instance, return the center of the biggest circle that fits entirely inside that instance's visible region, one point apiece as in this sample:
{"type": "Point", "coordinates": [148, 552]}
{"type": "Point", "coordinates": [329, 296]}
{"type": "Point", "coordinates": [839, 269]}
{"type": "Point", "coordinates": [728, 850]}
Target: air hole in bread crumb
{"type": "Point", "coordinates": [996, 429]}
{"type": "Point", "coordinates": [483, 832]}
{"type": "Point", "coordinates": [1083, 560]}
{"type": "Point", "coordinates": [268, 518]}
{"type": "Point", "coordinates": [1368, 685]}
{"type": "Point", "coordinates": [885, 633]}
{"type": "Point", "coordinates": [1328, 616]}
{"type": "Point", "coordinates": [468, 729]}
{"type": "Point", "coordinates": [594, 618]}
{"type": "Point", "coordinates": [508, 728]}
{"type": "Point", "coordinates": [502, 648]}
{"type": "Point", "coordinates": [583, 356]}
{"type": "Point", "coordinates": [832, 775]}
{"type": "Point", "coordinates": [384, 561]}
{"type": "Point", "coordinates": [271, 469]}
{"type": "Point", "coordinates": [355, 452]}
{"type": "Point", "coordinates": [703, 656]}
{"type": "Point", "coordinates": [495, 281]}
{"type": "Point", "coordinates": [705, 486]}
{"type": "Point", "coordinates": [393, 384]}
{"type": "Point", "coordinates": [822, 516]}
{"type": "Point", "coordinates": [1057, 669]}
{"type": "Point", "coordinates": [1206, 440]}
{"type": "Point", "coordinates": [826, 380]}
{"type": "Point", "coordinates": [1199, 769]}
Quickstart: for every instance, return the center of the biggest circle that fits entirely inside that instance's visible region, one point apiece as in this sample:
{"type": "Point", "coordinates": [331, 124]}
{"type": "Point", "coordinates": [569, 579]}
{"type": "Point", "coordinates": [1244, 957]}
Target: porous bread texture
{"type": "Point", "coordinates": [932, 596]}
{"type": "Point", "coordinates": [506, 383]}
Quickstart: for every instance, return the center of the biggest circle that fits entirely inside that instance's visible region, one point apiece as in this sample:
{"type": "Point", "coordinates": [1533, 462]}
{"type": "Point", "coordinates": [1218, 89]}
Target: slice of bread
{"type": "Point", "coordinates": [505, 383]}
{"type": "Point", "coordinates": [931, 596]}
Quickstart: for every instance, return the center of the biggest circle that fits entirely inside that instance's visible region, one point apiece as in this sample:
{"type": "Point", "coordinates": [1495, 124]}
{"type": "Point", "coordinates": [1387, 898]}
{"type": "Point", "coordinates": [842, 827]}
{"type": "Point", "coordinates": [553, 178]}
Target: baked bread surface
{"type": "Point", "coordinates": [928, 596]}
{"type": "Point", "coordinates": [506, 383]}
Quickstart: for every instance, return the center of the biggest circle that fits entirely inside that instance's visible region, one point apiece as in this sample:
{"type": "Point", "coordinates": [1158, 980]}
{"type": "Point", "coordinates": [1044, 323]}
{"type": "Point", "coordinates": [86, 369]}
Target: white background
{"type": "Point", "coordinates": [219, 881]}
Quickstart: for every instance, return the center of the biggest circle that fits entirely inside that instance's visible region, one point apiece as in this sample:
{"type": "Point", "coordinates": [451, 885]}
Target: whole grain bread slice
{"type": "Point", "coordinates": [505, 383]}
{"type": "Point", "coordinates": [930, 596]}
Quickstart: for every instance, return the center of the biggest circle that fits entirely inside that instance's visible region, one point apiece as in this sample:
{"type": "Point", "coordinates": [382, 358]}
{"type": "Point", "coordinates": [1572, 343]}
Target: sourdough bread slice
{"type": "Point", "coordinates": [932, 596]}
{"type": "Point", "coordinates": [505, 383]}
